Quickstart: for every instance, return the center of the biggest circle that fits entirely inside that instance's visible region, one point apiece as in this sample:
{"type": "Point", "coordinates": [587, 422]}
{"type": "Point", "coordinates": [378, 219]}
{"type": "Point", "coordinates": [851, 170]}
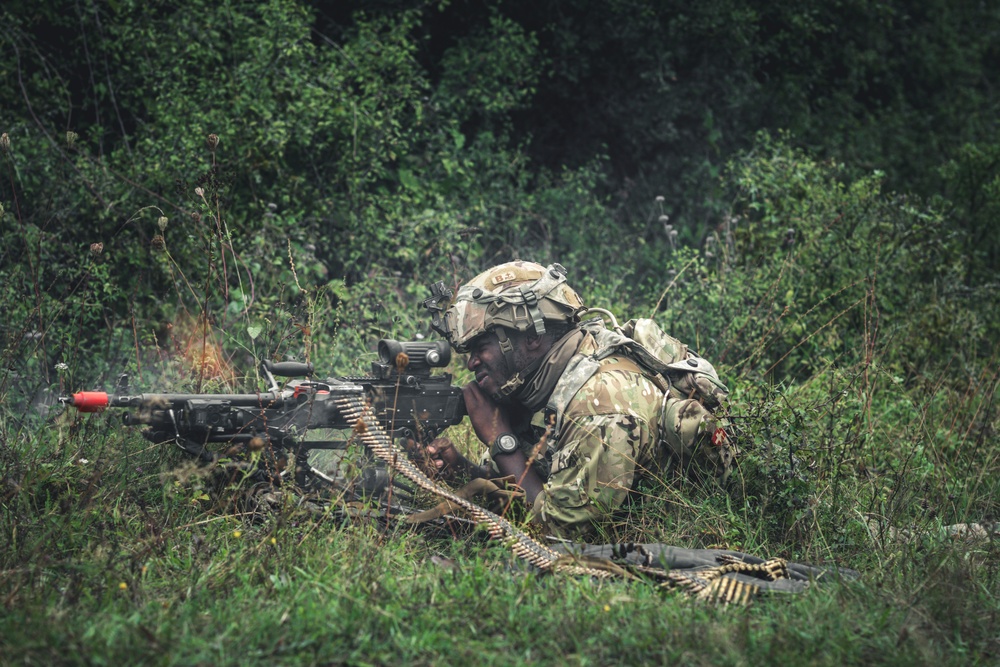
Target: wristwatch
{"type": "Point", "coordinates": [506, 443]}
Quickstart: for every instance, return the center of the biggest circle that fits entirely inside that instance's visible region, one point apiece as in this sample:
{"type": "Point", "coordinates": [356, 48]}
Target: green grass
{"type": "Point", "coordinates": [347, 596]}
{"type": "Point", "coordinates": [116, 551]}
{"type": "Point", "coordinates": [121, 560]}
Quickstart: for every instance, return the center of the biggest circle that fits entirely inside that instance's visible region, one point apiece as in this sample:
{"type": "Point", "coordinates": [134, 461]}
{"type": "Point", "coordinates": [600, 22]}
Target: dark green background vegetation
{"type": "Point", "coordinates": [806, 192]}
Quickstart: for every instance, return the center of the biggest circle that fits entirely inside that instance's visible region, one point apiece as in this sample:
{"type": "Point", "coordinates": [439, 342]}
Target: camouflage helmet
{"type": "Point", "coordinates": [520, 296]}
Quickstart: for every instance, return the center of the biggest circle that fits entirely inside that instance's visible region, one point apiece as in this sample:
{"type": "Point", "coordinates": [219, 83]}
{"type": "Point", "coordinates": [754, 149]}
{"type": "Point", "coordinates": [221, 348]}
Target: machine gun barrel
{"type": "Point", "coordinates": [98, 401]}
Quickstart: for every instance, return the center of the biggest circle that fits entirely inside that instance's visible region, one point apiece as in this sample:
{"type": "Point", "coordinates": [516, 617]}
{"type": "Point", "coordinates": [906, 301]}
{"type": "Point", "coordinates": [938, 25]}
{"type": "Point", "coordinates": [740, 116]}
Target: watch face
{"type": "Point", "coordinates": [506, 443]}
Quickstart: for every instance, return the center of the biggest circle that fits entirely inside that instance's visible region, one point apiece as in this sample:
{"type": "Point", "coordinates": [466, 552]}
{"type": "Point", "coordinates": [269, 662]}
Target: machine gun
{"type": "Point", "coordinates": [269, 436]}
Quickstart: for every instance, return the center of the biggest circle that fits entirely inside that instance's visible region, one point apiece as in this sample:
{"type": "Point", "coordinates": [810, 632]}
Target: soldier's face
{"type": "Point", "coordinates": [488, 363]}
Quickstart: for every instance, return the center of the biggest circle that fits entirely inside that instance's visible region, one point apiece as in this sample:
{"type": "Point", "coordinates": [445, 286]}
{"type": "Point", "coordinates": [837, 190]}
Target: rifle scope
{"type": "Point", "coordinates": [422, 355]}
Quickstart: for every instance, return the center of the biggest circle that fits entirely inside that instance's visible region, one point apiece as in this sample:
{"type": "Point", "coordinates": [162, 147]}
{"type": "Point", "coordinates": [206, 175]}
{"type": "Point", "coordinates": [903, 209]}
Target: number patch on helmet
{"type": "Point", "coordinates": [504, 277]}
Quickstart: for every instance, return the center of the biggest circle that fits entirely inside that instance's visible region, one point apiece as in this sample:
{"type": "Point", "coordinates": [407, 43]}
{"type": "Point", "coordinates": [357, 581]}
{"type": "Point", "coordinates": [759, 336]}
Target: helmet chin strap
{"type": "Point", "coordinates": [507, 349]}
{"type": "Point", "coordinates": [517, 380]}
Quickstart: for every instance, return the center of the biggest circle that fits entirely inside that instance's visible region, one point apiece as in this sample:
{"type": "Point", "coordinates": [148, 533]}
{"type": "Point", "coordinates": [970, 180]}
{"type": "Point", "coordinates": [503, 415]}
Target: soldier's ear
{"type": "Point", "coordinates": [532, 340]}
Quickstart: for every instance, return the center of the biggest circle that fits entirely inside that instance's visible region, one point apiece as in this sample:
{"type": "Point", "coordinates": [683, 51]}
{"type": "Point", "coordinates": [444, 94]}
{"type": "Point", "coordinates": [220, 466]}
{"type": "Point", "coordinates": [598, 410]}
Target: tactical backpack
{"type": "Point", "coordinates": [693, 392]}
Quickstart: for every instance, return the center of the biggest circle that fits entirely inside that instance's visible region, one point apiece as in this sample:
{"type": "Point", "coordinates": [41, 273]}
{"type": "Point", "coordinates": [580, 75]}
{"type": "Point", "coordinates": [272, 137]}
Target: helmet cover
{"type": "Point", "coordinates": [518, 295]}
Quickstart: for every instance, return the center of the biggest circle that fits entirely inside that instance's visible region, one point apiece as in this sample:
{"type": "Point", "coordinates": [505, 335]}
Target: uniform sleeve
{"type": "Point", "coordinates": [608, 437]}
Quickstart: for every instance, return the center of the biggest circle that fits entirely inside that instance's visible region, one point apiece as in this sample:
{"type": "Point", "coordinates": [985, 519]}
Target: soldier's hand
{"type": "Point", "coordinates": [441, 457]}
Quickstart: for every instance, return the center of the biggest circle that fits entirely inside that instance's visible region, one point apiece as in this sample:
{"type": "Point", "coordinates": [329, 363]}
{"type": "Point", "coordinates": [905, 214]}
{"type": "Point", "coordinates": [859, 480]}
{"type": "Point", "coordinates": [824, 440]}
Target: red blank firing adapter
{"type": "Point", "coordinates": [90, 401]}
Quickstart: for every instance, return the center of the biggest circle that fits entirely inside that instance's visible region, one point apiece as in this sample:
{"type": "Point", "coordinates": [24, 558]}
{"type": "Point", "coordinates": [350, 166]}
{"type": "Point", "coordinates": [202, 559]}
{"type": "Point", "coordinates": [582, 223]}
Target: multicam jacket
{"type": "Point", "coordinates": [619, 425]}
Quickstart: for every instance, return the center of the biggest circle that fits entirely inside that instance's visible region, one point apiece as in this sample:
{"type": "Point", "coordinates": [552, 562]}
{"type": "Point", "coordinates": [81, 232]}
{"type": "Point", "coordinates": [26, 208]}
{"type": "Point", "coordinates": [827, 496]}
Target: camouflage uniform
{"type": "Point", "coordinates": [620, 426]}
{"type": "Point", "coordinates": [608, 438]}
{"type": "Point", "coordinates": [626, 402]}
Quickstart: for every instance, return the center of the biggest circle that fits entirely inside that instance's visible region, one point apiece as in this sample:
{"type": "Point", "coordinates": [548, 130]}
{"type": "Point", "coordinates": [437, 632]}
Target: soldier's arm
{"type": "Point", "coordinates": [489, 420]}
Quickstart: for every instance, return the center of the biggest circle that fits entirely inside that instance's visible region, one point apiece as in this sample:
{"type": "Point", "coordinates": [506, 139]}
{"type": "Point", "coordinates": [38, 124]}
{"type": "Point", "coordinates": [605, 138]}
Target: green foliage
{"type": "Point", "coordinates": [973, 185]}
{"type": "Point", "coordinates": [825, 271]}
{"type": "Point", "coordinates": [490, 72]}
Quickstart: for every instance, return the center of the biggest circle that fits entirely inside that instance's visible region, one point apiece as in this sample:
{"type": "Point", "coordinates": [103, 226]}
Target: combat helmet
{"type": "Point", "coordinates": [519, 296]}
{"type": "Point", "coordinates": [516, 296]}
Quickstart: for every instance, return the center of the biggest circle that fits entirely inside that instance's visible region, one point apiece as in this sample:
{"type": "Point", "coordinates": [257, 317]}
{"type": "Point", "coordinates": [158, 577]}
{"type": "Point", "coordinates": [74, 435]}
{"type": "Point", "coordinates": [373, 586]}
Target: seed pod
{"type": "Point", "coordinates": [402, 361]}
{"type": "Point", "coordinates": [212, 141]}
{"type": "Point", "coordinates": [4, 142]}
{"type": "Point", "coordinates": [96, 249]}
{"type": "Point", "coordinates": [161, 222]}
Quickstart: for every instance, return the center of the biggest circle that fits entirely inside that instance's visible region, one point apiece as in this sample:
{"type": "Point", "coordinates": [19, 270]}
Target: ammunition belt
{"type": "Point", "coordinates": [707, 584]}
